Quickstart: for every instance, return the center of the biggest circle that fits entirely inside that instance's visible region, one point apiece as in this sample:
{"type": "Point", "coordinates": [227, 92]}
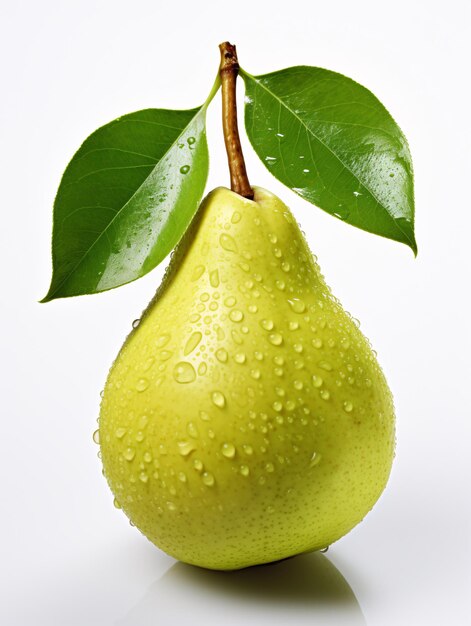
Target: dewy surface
{"type": "Point", "coordinates": [246, 418]}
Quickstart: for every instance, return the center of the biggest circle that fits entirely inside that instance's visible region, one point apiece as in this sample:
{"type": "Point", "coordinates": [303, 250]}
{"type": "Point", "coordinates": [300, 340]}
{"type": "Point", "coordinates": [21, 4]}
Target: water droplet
{"type": "Point", "coordinates": [236, 217]}
{"type": "Point", "coordinates": [317, 381]}
{"type": "Point", "coordinates": [182, 477]}
{"type": "Point", "coordinates": [192, 342]}
{"type": "Point", "coordinates": [324, 550]}
{"type": "Point", "coordinates": [198, 465]}
{"type": "Point", "coordinates": [325, 365]}
{"type": "Point", "coordinates": [140, 436]}
{"type": "Point", "coordinates": [228, 450]}
{"type": "Point", "coordinates": [227, 243]}
{"type": "Point", "coordinates": [208, 479]}
{"type": "Point", "coordinates": [276, 339]}
{"type": "Point", "coordinates": [298, 385]}
{"type": "Point", "coordinates": [267, 324]}
{"type": "Point", "coordinates": [143, 477]}
{"type": "Point", "coordinates": [149, 363]}
{"type": "Point", "coordinates": [277, 406]}
{"type": "Point", "coordinates": [184, 169]}
{"type": "Point", "coordinates": [197, 272]}
{"type": "Point", "coordinates": [218, 399]}
{"type": "Point", "coordinates": [298, 347]}
{"type": "Point", "coordinates": [280, 284]}
{"type": "Point", "coordinates": [240, 358]}
{"type": "Point", "coordinates": [270, 468]}
{"type": "Point", "coordinates": [247, 449]}
{"type": "Point", "coordinates": [184, 372]}
{"type": "Point", "coordinates": [96, 436]}
{"type": "Point", "coordinates": [165, 355]}
{"type": "Point", "coordinates": [186, 447]}
{"type": "Point", "coordinates": [315, 459]}
{"type": "Point", "coordinates": [244, 470]}
{"type": "Point", "coordinates": [348, 406]}
{"type": "Point", "coordinates": [317, 343]}
{"type": "Point", "coordinates": [147, 457]}
{"type": "Point", "coordinates": [221, 355]}
{"type": "Point", "coordinates": [202, 367]}
{"type": "Point", "coordinates": [171, 506]}
{"type": "Point", "coordinates": [236, 337]}
{"type": "Point", "coordinates": [162, 341]}
{"type": "Point", "coordinates": [136, 323]}
{"type": "Point", "coordinates": [142, 384]}
{"type": "Point", "coordinates": [119, 433]}
{"type": "Point", "coordinates": [116, 504]}
{"type": "Point", "coordinates": [129, 454]}
{"type": "Point", "coordinates": [255, 374]}
{"type": "Point", "coordinates": [324, 394]}
{"type": "Point", "coordinates": [293, 325]}
{"type": "Point", "coordinates": [285, 266]}
{"type": "Point", "coordinates": [191, 141]}
{"type": "Point", "coordinates": [230, 301]}
{"type": "Point", "coordinates": [253, 308]}
{"type": "Point", "coordinates": [214, 278]}
{"type": "Point", "coordinates": [236, 315]}
{"type": "Point", "coordinates": [297, 305]}
{"type": "Point", "coordinates": [192, 430]}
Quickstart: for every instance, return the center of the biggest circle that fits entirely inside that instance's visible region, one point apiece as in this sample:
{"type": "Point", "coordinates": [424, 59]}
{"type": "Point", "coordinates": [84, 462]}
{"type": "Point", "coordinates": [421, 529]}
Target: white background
{"type": "Point", "coordinates": [67, 556]}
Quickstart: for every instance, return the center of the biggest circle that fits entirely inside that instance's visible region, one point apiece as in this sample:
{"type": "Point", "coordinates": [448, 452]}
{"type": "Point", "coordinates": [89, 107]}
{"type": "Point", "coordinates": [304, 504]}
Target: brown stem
{"type": "Point", "coordinates": [228, 71]}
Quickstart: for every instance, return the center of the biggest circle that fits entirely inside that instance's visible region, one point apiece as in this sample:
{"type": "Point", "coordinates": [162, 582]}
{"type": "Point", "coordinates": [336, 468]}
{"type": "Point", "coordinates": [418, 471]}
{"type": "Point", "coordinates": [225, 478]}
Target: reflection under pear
{"type": "Point", "coordinates": [307, 588]}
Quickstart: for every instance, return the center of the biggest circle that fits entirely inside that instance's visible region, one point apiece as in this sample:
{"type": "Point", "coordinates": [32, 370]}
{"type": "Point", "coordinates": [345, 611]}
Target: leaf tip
{"type": "Point", "coordinates": [51, 293]}
{"type": "Point", "coordinates": [413, 246]}
{"type": "Point", "coordinates": [47, 298]}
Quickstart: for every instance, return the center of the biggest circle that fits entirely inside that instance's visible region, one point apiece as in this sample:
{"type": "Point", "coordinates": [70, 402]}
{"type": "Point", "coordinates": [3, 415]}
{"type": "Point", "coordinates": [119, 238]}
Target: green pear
{"type": "Point", "coordinates": [246, 418]}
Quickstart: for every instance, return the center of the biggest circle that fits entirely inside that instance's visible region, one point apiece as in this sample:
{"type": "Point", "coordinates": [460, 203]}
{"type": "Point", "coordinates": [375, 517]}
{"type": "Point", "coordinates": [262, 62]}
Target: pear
{"type": "Point", "coordinates": [246, 418]}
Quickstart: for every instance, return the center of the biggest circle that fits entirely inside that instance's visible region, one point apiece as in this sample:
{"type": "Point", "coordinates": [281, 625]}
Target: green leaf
{"type": "Point", "coordinates": [126, 199]}
{"type": "Point", "coordinates": [332, 142]}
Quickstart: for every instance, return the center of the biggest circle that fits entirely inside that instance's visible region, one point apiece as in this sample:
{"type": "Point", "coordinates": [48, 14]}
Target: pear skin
{"type": "Point", "coordinates": [246, 418]}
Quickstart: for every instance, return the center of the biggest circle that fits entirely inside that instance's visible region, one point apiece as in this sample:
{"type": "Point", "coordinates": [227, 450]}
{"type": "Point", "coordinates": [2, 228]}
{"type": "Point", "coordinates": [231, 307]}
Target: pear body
{"type": "Point", "coordinates": [246, 418]}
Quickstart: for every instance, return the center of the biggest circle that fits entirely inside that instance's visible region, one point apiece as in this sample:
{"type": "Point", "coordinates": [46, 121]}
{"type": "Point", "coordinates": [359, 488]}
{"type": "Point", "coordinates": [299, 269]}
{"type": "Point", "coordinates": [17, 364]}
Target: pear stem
{"type": "Point", "coordinates": [228, 70]}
